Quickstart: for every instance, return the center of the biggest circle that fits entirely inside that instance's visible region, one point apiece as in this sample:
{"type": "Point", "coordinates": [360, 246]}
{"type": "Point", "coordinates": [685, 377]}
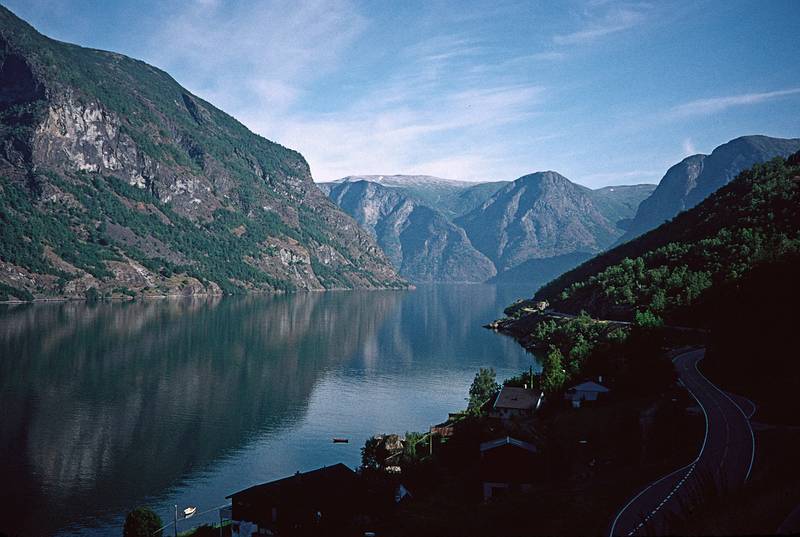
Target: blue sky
{"type": "Point", "coordinates": [604, 92]}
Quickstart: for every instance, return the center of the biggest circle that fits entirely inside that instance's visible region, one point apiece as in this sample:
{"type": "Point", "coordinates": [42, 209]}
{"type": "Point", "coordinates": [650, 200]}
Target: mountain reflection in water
{"type": "Point", "coordinates": [107, 406]}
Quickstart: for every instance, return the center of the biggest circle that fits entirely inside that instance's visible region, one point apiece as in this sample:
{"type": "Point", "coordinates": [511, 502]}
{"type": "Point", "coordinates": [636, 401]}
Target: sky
{"type": "Point", "coordinates": [603, 92]}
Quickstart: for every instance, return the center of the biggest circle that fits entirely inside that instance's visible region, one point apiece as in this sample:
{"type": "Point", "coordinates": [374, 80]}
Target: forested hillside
{"type": "Point", "coordinates": [115, 180]}
{"type": "Point", "coordinates": [750, 223]}
{"type": "Point", "coordinates": [692, 180]}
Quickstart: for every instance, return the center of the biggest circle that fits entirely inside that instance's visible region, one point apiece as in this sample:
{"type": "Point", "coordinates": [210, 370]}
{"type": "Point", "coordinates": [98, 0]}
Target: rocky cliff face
{"type": "Point", "coordinates": [542, 215]}
{"type": "Point", "coordinates": [114, 179]}
{"type": "Point", "coordinates": [420, 241]}
{"type": "Point", "coordinates": [530, 230]}
{"type": "Point", "coordinates": [693, 179]}
{"type": "Point", "coordinates": [450, 197]}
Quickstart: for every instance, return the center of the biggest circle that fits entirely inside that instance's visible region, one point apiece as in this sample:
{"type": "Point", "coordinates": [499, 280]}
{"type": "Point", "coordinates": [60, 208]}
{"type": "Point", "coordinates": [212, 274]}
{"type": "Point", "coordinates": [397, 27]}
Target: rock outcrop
{"type": "Point", "coordinates": [116, 179]}
{"type": "Point", "coordinates": [434, 229]}
{"type": "Point", "coordinates": [419, 240]}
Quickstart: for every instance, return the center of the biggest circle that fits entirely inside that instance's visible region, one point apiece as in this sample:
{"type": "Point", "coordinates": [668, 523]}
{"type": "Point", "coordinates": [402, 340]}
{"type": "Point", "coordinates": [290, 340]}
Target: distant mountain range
{"type": "Point", "coordinates": [535, 228]}
{"type": "Point", "coordinates": [451, 198]}
{"type": "Point", "coordinates": [420, 240]}
{"type": "Point", "coordinates": [115, 180]}
{"type": "Point", "coordinates": [531, 229]}
{"type": "Point", "coordinates": [546, 216]}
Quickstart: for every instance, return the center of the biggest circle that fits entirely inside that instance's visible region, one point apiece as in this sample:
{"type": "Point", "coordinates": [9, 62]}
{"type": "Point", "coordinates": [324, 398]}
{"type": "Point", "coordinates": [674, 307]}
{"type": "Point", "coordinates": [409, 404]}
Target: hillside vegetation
{"type": "Point", "coordinates": [753, 221]}
{"type": "Point", "coordinates": [116, 180]}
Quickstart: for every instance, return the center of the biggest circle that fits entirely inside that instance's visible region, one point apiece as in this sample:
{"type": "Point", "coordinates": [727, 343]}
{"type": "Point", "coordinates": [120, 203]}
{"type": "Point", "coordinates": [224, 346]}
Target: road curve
{"type": "Point", "coordinates": [726, 455]}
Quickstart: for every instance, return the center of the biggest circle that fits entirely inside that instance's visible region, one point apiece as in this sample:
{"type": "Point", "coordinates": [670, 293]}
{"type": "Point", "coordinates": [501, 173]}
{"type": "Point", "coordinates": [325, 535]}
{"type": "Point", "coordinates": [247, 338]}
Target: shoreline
{"type": "Point", "coordinates": [127, 298]}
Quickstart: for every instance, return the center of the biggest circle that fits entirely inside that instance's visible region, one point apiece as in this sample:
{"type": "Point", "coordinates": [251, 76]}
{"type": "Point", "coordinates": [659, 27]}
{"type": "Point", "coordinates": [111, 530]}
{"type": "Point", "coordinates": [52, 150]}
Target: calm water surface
{"type": "Point", "coordinates": [109, 406]}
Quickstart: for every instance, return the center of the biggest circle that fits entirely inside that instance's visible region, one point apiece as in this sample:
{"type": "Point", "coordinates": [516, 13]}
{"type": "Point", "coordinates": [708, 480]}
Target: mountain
{"type": "Point", "coordinates": [117, 180]}
{"type": "Point", "coordinates": [419, 240]}
{"type": "Point", "coordinates": [546, 216]}
{"type": "Point", "coordinates": [435, 229]}
{"type": "Point", "coordinates": [676, 270]}
{"type": "Point", "coordinates": [452, 198]}
{"type": "Point", "coordinates": [619, 203]}
{"type": "Point", "coordinates": [694, 178]}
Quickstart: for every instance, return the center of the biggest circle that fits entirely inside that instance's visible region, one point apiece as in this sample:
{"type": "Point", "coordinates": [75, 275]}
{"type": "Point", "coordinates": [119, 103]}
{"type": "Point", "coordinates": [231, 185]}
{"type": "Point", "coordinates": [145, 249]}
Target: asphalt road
{"type": "Point", "coordinates": [726, 456]}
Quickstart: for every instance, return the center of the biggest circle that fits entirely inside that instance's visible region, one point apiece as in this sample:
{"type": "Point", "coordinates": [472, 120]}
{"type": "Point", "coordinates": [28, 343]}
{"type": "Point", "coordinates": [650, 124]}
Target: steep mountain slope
{"type": "Point", "coordinates": [538, 216]}
{"type": "Point", "coordinates": [115, 178]}
{"type": "Point", "coordinates": [538, 271]}
{"type": "Point", "coordinates": [421, 242]}
{"type": "Point", "coordinates": [452, 198]}
{"type": "Point", "coordinates": [550, 206]}
{"type": "Point", "coordinates": [673, 270]}
{"type": "Point", "coordinates": [693, 179]}
{"type": "Point", "coordinates": [619, 203]}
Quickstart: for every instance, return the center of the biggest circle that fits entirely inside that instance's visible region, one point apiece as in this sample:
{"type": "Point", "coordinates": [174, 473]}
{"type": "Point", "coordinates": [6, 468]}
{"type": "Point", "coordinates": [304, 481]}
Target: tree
{"type": "Point", "coordinates": [648, 320]}
{"type": "Point", "coordinates": [372, 454]}
{"type": "Point", "coordinates": [553, 374]}
{"type": "Point", "coordinates": [410, 446]}
{"type": "Point", "coordinates": [141, 522]}
{"type": "Point", "coordinates": [483, 387]}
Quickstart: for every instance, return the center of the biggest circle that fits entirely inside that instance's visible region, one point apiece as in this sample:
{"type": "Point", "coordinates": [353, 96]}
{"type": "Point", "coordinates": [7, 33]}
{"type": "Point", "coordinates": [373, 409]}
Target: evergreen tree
{"type": "Point", "coordinates": [553, 374]}
{"type": "Point", "coordinates": [483, 387]}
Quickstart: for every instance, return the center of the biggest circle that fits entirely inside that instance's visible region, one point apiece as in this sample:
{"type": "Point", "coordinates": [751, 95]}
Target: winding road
{"type": "Point", "coordinates": [726, 455]}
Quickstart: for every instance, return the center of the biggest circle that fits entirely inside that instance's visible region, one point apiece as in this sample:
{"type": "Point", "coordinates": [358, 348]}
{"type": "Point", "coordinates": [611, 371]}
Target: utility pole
{"type": "Point", "coordinates": [176, 520]}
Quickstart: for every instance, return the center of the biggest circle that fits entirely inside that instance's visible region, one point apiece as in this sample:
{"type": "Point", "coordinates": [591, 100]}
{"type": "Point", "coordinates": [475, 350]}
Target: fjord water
{"type": "Point", "coordinates": [183, 401]}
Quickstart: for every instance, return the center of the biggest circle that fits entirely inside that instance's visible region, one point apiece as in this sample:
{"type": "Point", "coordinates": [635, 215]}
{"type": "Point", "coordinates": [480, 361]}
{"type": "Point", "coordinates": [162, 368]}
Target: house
{"type": "Point", "coordinates": [513, 401]}
{"type": "Point", "coordinates": [507, 465]}
{"type": "Point", "coordinates": [586, 391]}
{"type": "Point", "coordinates": [322, 502]}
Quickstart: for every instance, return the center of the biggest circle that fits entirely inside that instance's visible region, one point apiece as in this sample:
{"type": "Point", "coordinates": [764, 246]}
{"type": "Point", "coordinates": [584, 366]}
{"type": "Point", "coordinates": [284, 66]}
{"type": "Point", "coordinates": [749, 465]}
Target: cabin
{"type": "Point", "coordinates": [513, 402]}
{"type": "Point", "coordinates": [586, 391]}
{"type": "Point", "coordinates": [507, 465]}
{"type": "Point", "coordinates": [320, 502]}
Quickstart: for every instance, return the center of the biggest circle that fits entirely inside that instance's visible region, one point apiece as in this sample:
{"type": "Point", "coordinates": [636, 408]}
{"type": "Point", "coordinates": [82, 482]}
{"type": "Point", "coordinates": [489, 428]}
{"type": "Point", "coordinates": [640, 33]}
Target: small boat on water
{"type": "Point", "coordinates": [341, 440]}
{"type": "Point", "coordinates": [189, 511]}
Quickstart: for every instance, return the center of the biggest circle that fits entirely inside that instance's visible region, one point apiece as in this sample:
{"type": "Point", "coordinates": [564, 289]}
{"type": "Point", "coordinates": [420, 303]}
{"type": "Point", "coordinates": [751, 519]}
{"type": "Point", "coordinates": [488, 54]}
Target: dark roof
{"type": "Point", "coordinates": [517, 398]}
{"type": "Point", "coordinates": [327, 480]}
{"type": "Point", "coordinates": [508, 441]}
{"type": "Point", "coordinates": [589, 386]}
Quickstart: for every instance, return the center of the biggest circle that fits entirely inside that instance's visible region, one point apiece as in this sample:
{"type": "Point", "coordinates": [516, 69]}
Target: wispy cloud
{"type": "Point", "coordinates": [397, 136]}
{"type": "Point", "coordinates": [424, 115]}
{"type": "Point", "coordinates": [704, 107]}
{"type": "Point", "coordinates": [610, 20]}
{"type": "Point", "coordinates": [689, 148]}
{"type": "Point", "coordinates": [263, 53]}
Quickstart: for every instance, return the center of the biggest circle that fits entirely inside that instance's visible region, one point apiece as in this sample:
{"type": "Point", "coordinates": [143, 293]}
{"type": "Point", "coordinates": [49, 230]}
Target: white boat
{"type": "Point", "coordinates": [189, 511]}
